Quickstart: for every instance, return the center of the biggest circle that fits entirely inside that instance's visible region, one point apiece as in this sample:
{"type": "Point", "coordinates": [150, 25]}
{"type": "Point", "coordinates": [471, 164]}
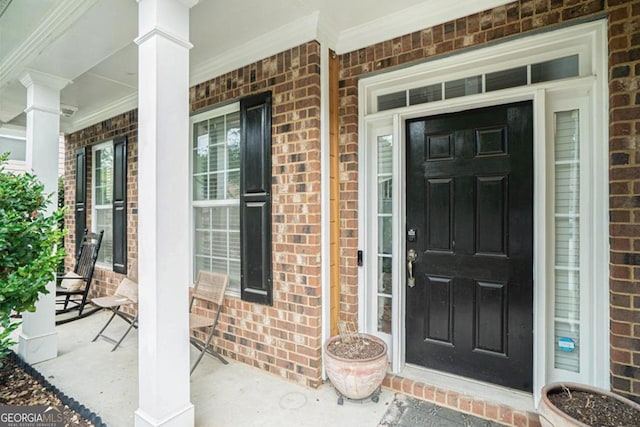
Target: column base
{"type": "Point", "coordinates": [182, 418]}
{"type": "Point", "coordinates": [34, 349]}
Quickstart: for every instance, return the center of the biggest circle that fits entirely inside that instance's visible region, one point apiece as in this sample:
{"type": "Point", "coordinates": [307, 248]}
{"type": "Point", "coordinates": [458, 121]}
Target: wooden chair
{"type": "Point", "coordinates": [125, 295]}
{"type": "Point", "coordinates": [209, 288]}
{"type": "Point", "coordinates": [75, 298]}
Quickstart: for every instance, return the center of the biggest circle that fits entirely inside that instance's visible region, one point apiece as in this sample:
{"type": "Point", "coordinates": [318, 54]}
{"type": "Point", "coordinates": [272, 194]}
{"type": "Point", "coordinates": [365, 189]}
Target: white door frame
{"type": "Point", "coordinates": [589, 91]}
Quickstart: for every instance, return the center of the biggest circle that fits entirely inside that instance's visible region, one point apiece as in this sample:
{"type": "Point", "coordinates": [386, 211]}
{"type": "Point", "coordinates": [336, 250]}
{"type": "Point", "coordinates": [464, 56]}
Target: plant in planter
{"type": "Point", "coordinates": [579, 405]}
{"type": "Point", "coordinates": [356, 364]}
{"type": "Point", "coordinates": [29, 248]}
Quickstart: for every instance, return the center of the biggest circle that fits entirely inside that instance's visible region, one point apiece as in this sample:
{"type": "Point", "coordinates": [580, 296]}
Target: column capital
{"type": "Point", "coordinates": [33, 77]}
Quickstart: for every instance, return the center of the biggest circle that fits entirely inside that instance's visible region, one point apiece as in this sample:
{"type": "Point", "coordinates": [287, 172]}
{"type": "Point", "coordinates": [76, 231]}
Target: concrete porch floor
{"type": "Point", "coordinates": [223, 395]}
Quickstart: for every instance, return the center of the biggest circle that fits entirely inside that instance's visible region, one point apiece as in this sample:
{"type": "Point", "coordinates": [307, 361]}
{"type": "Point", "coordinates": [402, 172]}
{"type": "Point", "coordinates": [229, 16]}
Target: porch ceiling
{"type": "Point", "coordinates": [91, 42]}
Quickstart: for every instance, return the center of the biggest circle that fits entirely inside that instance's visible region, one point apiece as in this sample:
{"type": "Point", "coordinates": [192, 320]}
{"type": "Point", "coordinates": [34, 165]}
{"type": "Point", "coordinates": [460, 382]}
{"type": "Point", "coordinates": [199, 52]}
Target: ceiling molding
{"type": "Point", "coordinates": [290, 35]}
{"type": "Point", "coordinates": [58, 19]}
{"type": "Point", "coordinates": [122, 105]}
{"type": "Point", "coordinates": [406, 21]}
{"type": "Point", "coordinates": [4, 4]}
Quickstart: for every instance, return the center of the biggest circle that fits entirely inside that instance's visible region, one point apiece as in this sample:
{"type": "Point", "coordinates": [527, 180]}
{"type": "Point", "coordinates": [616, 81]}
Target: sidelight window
{"type": "Point", "coordinates": [384, 173]}
{"type": "Point", "coordinates": [567, 241]}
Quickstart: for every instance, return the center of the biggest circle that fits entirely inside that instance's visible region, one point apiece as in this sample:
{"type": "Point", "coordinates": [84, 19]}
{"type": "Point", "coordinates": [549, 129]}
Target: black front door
{"type": "Point", "coordinates": [470, 223]}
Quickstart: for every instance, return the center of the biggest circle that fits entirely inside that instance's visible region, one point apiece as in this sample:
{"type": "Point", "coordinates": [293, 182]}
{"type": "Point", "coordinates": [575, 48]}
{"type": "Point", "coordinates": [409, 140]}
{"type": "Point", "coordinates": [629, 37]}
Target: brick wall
{"type": "Point", "coordinates": [499, 23]}
{"type": "Point", "coordinates": [104, 281]}
{"type": "Point", "coordinates": [284, 339]}
{"type": "Point", "coordinates": [624, 178]}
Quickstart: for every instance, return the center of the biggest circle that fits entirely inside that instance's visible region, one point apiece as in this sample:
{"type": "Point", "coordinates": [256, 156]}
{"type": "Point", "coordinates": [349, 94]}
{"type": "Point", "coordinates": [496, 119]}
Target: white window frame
{"type": "Point", "coordinates": [588, 90]}
{"type": "Point", "coordinates": [207, 115]}
{"type": "Point", "coordinates": [94, 207]}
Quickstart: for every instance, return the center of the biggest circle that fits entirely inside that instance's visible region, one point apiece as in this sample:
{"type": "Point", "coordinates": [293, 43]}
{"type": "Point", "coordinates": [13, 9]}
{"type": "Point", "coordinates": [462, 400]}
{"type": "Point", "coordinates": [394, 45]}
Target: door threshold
{"type": "Point", "coordinates": [516, 399]}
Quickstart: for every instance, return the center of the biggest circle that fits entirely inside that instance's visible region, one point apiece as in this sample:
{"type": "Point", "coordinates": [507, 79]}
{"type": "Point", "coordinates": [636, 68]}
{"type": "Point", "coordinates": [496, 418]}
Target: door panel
{"type": "Point", "coordinates": [470, 199]}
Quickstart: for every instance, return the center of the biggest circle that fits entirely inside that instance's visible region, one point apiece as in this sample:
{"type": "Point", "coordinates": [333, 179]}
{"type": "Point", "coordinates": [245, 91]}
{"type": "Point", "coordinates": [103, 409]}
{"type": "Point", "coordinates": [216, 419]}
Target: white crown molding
{"type": "Point", "coordinates": [406, 21]}
{"type": "Point", "coordinates": [293, 34]}
{"type": "Point", "coordinates": [58, 19]}
{"type": "Point", "coordinates": [110, 110]}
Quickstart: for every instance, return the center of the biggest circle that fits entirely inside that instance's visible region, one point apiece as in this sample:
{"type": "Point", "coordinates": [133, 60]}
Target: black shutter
{"type": "Point", "coordinates": [120, 205]}
{"type": "Point", "coordinates": [80, 208]}
{"type": "Point", "coordinates": [255, 198]}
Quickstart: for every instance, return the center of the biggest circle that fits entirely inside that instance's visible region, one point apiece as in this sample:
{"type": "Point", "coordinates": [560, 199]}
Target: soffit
{"type": "Point", "coordinates": [91, 42]}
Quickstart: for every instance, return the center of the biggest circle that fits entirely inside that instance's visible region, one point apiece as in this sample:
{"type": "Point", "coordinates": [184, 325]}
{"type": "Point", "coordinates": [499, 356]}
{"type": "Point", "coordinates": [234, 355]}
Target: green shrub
{"type": "Point", "coordinates": [30, 247]}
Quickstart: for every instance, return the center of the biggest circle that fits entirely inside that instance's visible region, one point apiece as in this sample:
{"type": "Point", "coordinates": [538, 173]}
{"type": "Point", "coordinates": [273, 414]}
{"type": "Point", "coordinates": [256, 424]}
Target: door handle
{"type": "Point", "coordinates": [411, 258]}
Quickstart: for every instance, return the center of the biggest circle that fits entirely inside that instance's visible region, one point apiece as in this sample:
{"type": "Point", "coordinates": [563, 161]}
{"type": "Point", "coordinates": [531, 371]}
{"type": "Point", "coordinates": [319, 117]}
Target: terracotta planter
{"type": "Point", "coordinates": [551, 416]}
{"type": "Point", "coordinates": [356, 378]}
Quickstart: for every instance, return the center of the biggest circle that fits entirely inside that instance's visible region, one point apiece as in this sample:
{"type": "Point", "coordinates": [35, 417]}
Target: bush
{"type": "Point", "coordinates": [30, 247]}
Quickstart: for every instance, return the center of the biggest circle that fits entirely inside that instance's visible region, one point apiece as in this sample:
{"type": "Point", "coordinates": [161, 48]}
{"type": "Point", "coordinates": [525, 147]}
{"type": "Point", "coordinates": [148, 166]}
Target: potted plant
{"type": "Point", "coordinates": [356, 364]}
{"type": "Point", "coordinates": [30, 248]}
{"type": "Point", "coordinates": [573, 405]}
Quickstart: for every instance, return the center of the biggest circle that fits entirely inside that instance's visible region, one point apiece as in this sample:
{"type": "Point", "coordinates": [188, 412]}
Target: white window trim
{"type": "Point", "coordinates": [94, 207]}
{"type": "Point", "coordinates": [589, 40]}
{"type": "Point", "coordinates": [206, 115]}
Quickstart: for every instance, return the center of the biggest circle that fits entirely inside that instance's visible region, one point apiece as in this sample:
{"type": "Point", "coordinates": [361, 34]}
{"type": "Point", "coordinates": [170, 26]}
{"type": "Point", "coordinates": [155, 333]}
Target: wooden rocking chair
{"type": "Point", "coordinates": [72, 293]}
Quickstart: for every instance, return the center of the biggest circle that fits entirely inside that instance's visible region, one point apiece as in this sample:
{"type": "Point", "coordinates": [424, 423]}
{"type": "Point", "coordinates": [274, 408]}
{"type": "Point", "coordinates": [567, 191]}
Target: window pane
{"type": "Point", "coordinates": [566, 135]}
{"type": "Point", "coordinates": [220, 244]}
{"type": "Point", "coordinates": [384, 315]}
{"type": "Point", "coordinates": [200, 187]}
{"type": "Point", "coordinates": [202, 242]}
{"type": "Point", "coordinates": [103, 173]}
{"type": "Point", "coordinates": [384, 234]}
{"type": "Point", "coordinates": [233, 140]}
{"type": "Point", "coordinates": [567, 241]}
{"type": "Point", "coordinates": [385, 171]}
{"type": "Point", "coordinates": [216, 186]}
{"type": "Point", "coordinates": [384, 275]}
{"type": "Point", "coordinates": [506, 78]}
{"type": "Point", "coordinates": [104, 221]}
{"type": "Point", "coordinates": [203, 263]}
{"type": "Point", "coordinates": [566, 348]}
{"type": "Point", "coordinates": [17, 148]}
{"type": "Point", "coordinates": [392, 100]}
{"type": "Point", "coordinates": [568, 189]}
{"type": "Point", "coordinates": [385, 155]}
{"type": "Point", "coordinates": [555, 69]}
{"type": "Point", "coordinates": [567, 294]}
{"type": "Point", "coordinates": [217, 154]}
{"type": "Point", "coordinates": [425, 94]}
{"type": "Point", "coordinates": [217, 240]}
{"type": "Point", "coordinates": [463, 87]}
{"type": "Point", "coordinates": [216, 130]}
{"type": "Point", "coordinates": [234, 217]}
{"type": "Point", "coordinates": [233, 185]}
{"type": "Point", "coordinates": [234, 275]}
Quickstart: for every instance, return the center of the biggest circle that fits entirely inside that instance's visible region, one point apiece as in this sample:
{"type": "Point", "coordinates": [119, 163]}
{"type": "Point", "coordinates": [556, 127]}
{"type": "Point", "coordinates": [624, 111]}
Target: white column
{"type": "Point", "coordinates": [38, 337]}
{"type": "Point", "coordinates": [163, 213]}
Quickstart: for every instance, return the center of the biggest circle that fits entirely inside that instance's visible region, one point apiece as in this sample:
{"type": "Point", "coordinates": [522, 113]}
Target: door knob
{"type": "Point", "coordinates": [411, 257]}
